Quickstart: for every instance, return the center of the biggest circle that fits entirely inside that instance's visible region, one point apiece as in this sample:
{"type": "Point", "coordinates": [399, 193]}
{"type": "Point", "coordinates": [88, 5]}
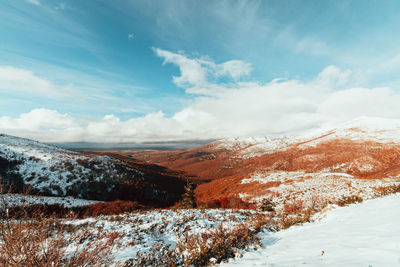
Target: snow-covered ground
{"type": "Point", "coordinates": [256, 146]}
{"type": "Point", "coordinates": [151, 231]}
{"type": "Point", "coordinates": [303, 186]}
{"type": "Point", "coordinates": [67, 202]}
{"type": "Point", "coordinates": [56, 171]}
{"type": "Point", "coordinates": [365, 234]}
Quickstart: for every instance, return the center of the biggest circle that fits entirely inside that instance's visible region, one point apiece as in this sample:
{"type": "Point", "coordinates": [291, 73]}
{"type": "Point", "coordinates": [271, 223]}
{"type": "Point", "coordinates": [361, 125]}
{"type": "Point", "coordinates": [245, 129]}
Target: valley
{"type": "Point", "coordinates": [245, 190]}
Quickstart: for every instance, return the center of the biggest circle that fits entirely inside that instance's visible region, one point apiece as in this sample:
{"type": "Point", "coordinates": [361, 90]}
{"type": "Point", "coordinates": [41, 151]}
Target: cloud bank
{"type": "Point", "coordinates": [224, 105]}
{"type": "Point", "coordinates": [25, 81]}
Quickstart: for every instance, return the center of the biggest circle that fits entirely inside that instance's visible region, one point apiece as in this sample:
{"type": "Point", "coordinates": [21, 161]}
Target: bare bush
{"type": "Point", "coordinates": [347, 200]}
{"type": "Point", "coordinates": [222, 243]}
{"type": "Point", "coordinates": [32, 240]}
{"type": "Point", "coordinates": [287, 220]}
{"type": "Point", "coordinates": [387, 190]}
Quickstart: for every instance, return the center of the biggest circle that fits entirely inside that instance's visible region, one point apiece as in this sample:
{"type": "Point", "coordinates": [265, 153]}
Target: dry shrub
{"type": "Point", "coordinates": [287, 220]}
{"type": "Point", "coordinates": [317, 203]}
{"type": "Point", "coordinates": [45, 210]}
{"type": "Point", "coordinates": [158, 255]}
{"type": "Point", "coordinates": [387, 190]}
{"type": "Point", "coordinates": [298, 212]}
{"type": "Point", "coordinates": [227, 203]}
{"type": "Point", "coordinates": [107, 208]}
{"type": "Point", "coordinates": [222, 243]}
{"type": "Point", "coordinates": [197, 250]}
{"type": "Point", "coordinates": [33, 240]}
{"type": "Point", "coordinates": [294, 205]}
{"type": "Point", "coordinates": [347, 200]}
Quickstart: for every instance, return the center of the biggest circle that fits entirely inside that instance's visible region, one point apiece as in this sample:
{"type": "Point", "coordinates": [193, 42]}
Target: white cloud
{"type": "Point", "coordinates": [336, 78]}
{"type": "Point", "coordinates": [199, 75]}
{"type": "Point", "coordinates": [131, 36]}
{"type": "Point", "coordinates": [17, 79]}
{"type": "Point", "coordinates": [44, 125]}
{"type": "Point", "coordinates": [223, 109]}
{"type": "Point", "coordinates": [356, 102]}
{"type": "Point", "coordinates": [235, 68]}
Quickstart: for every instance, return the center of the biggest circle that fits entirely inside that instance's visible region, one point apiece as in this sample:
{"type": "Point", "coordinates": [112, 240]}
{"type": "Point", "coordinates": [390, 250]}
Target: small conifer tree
{"type": "Point", "coordinates": [188, 199]}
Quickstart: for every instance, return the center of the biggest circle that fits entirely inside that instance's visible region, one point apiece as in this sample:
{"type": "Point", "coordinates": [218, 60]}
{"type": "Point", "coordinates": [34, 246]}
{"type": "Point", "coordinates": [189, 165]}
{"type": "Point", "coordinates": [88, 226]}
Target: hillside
{"type": "Point", "coordinates": [360, 157]}
{"type": "Point", "coordinates": [53, 171]}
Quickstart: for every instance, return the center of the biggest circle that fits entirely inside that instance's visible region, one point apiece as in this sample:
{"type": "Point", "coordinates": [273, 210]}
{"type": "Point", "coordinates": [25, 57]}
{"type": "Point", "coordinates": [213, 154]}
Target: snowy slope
{"type": "Point", "coordinates": [375, 129]}
{"type": "Point", "coordinates": [256, 146]}
{"type": "Point", "coordinates": [361, 129]}
{"type": "Point", "coordinates": [54, 171]}
{"type": "Point", "coordinates": [365, 234]}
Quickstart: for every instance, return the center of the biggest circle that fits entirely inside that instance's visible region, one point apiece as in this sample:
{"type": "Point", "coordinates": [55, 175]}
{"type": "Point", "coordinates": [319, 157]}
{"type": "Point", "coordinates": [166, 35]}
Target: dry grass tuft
{"type": "Point", "coordinates": [32, 240]}
{"type": "Point", "coordinates": [347, 200]}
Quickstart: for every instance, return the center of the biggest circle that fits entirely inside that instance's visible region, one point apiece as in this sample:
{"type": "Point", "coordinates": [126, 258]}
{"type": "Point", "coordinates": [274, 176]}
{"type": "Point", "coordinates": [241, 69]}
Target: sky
{"type": "Point", "coordinates": [146, 70]}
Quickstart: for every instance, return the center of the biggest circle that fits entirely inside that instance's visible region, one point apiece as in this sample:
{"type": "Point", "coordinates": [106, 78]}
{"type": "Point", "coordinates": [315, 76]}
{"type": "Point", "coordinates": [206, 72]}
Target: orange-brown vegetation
{"type": "Point", "coordinates": [386, 190]}
{"type": "Point", "coordinates": [31, 239]}
{"type": "Point", "coordinates": [226, 169]}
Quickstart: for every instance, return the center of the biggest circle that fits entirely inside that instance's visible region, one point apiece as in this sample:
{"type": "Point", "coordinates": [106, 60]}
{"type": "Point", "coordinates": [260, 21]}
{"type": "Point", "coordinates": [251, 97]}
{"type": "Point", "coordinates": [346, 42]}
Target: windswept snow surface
{"type": "Point", "coordinates": [365, 234]}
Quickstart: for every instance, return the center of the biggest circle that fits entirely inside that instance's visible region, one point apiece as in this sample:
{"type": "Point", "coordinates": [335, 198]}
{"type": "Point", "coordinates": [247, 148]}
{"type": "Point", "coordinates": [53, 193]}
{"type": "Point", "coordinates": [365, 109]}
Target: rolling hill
{"type": "Point", "coordinates": [53, 171]}
{"type": "Point", "coordinates": [360, 157]}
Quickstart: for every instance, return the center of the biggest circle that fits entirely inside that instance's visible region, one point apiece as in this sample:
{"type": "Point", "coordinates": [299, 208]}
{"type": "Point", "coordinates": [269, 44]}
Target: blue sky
{"type": "Point", "coordinates": [91, 59]}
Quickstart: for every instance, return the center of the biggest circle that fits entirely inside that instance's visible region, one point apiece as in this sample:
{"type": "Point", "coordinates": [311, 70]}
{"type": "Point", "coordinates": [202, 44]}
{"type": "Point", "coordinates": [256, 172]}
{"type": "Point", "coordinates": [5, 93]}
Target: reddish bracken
{"type": "Point", "coordinates": [362, 159]}
{"type": "Point", "coordinates": [294, 206]}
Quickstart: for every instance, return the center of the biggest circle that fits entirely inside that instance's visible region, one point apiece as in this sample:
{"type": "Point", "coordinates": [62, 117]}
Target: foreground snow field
{"type": "Point", "coordinates": [152, 233]}
{"type": "Point", "coordinates": [365, 234]}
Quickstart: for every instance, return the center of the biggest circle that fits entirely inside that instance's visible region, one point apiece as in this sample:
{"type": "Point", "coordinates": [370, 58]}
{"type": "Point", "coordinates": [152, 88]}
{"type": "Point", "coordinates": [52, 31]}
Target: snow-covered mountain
{"type": "Point", "coordinates": [360, 157]}
{"type": "Point", "coordinates": [54, 171]}
{"type": "Point", "coordinates": [374, 129]}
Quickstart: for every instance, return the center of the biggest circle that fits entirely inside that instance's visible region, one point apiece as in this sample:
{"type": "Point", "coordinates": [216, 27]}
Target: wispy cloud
{"type": "Point", "coordinates": [131, 36]}
{"type": "Point", "coordinates": [34, 2]}
{"type": "Point", "coordinates": [16, 79]}
{"type": "Point", "coordinates": [81, 93]}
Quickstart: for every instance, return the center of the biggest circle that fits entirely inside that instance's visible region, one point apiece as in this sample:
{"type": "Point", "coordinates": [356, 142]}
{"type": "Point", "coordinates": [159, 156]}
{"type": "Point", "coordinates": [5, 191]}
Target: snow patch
{"type": "Point", "coordinates": [363, 234]}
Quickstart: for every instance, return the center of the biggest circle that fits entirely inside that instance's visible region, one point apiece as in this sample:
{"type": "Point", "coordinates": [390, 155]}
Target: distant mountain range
{"type": "Point", "coordinates": [359, 157]}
